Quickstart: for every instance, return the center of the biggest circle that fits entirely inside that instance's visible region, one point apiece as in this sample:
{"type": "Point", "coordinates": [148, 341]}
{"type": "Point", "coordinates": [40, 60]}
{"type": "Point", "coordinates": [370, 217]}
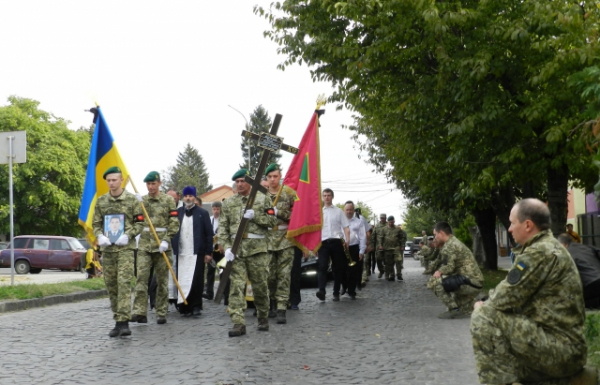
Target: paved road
{"type": "Point", "coordinates": [390, 335]}
{"type": "Point", "coordinates": [46, 276]}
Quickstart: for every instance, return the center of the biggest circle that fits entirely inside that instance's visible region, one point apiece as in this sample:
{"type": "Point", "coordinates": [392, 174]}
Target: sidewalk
{"type": "Point", "coordinates": [389, 335]}
{"type": "Point", "coordinates": [46, 276]}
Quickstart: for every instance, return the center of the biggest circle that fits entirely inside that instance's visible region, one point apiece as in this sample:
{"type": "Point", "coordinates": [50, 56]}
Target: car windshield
{"type": "Point", "coordinates": [75, 244]}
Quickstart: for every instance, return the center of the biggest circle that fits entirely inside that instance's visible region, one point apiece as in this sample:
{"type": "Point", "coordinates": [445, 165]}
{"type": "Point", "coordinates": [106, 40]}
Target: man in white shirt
{"type": "Point", "coordinates": [334, 236]}
{"type": "Point", "coordinates": [356, 247]}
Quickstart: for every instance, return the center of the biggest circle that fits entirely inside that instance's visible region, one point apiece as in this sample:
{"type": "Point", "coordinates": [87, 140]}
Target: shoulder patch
{"type": "Point", "coordinates": [173, 213]}
{"type": "Point", "coordinates": [514, 276]}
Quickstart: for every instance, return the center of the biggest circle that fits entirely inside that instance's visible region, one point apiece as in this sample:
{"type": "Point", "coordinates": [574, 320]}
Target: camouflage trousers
{"type": "Point", "coordinates": [463, 298]}
{"type": "Point", "coordinates": [389, 260]}
{"type": "Point", "coordinates": [118, 271]}
{"type": "Point", "coordinates": [280, 274]}
{"type": "Point", "coordinates": [399, 260]}
{"type": "Point", "coordinates": [254, 268]}
{"type": "Point", "coordinates": [366, 267]}
{"type": "Point", "coordinates": [145, 262]}
{"type": "Point", "coordinates": [511, 348]}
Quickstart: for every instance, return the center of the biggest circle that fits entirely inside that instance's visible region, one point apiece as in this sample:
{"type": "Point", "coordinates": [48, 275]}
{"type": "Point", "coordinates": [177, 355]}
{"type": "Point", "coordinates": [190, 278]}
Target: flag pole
{"type": "Point", "coordinates": [158, 242]}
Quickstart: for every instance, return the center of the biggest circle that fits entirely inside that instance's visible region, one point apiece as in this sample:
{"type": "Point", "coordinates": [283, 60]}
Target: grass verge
{"type": "Point", "coordinates": [28, 291]}
{"type": "Point", "coordinates": [592, 336]}
{"type": "Point", "coordinates": [491, 278]}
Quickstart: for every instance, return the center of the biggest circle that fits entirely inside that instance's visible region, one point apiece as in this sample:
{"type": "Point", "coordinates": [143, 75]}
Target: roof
{"type": "Point", "coordinates": [217, 194]}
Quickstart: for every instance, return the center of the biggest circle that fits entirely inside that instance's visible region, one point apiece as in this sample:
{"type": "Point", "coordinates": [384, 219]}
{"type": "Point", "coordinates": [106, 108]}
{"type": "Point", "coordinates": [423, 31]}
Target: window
{"type": "Point", "coordinates": [20, 243]}
{"type": "Point", "coordinates": [59, 244]}
{"type": "Point", "coordinates": [40, 244]}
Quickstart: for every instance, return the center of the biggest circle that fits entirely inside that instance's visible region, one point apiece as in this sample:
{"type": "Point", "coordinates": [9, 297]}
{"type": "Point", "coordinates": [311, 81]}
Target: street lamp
{"type": "Point", "coordinates": [248, 127]}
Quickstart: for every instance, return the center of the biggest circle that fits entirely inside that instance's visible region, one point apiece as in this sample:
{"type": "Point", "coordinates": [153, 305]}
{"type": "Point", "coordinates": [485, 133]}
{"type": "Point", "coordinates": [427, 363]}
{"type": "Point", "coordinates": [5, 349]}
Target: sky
{"type": "Point", "coordinates": [165, 74]}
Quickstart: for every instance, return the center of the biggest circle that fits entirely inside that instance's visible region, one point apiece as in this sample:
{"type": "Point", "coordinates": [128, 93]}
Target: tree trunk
{"type": "Point", "coordinates": [486, 222]}
{"type": "Point", "coordinates": [502, 202]}
{"type": "Point", "coordinates": [478, 251]}
{"type": "Point", "coordinates": [558, 183]}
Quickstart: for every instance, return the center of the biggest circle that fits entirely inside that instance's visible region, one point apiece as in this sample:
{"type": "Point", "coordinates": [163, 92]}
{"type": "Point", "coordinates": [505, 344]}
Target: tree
{"type": "Point", "coordinates": [464, 104]}
{"type": "Point", "coordinates": [190, 170]}
{"type": "Point", "coordinates": [259, 122]}
{"type": "Point", "coordinates": [47, 189]}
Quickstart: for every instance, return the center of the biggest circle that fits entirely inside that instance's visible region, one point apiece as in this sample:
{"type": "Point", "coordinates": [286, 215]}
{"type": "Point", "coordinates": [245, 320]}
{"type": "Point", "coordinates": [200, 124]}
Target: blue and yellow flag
{"type": "Point", "coordinates": [103, 155]}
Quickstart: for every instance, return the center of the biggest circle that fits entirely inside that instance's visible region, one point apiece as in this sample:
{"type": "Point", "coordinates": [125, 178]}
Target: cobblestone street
{"type": "Point", "coordinates": [389, 335]}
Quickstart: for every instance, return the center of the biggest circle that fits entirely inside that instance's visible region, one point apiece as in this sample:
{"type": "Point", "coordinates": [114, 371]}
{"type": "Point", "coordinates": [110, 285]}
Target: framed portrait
{"type": "Point", "coordinates": [114, 226]}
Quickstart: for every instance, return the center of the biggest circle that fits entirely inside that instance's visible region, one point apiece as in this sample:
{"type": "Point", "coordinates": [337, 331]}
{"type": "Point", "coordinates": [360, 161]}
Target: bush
{"type": "Point", "coordinates": [592, 336]}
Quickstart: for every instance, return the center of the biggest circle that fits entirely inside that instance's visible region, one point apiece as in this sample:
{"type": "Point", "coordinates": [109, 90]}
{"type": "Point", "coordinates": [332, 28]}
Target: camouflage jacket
{"type": "Point", "coordinates": [377, 236]}
{"type": "Point", "coordinates": [544, 286]}
{"type": "Point", "coordinates": [425, 252]}
{"type": "Point", "coordinates": [127, 204]}
{"type": "Point", "coordinates": [277, 235]}
{"type": "Point", "coordinates": [392, 238]}
{"type": "Point", "coordinates": [163, 214]}
{"type": "Point", "coordinates": [457, 259]}
{"type": "Point", "coordinates": [231, 216]}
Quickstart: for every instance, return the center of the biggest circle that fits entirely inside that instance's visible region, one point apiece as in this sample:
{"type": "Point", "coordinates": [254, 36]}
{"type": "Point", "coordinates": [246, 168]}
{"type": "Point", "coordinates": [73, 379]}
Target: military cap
{"type": "Point", "coordinates": [270, 168]}
{"type": "Point", "coordinates": [189, 190]}
{"type": "Point", "coordinates": [391, 218]}
{"type": "Point", "coordinates": [216, 204]}
{"type": "Point", "coordinates": [112, 170]}
{"type": "Point", "coordinates": [242, 172]}
{"type": "Point", "coordinates": [152, 176]}
{"type": "Point", "coordinates": [382, 215]}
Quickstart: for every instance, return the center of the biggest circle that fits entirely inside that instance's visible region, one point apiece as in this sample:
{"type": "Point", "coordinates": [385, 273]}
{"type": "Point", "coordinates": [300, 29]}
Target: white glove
{"type": "Point", "coordinates": [103, 241]}
{"type": "Point", "coordinates": [138, 196]}
{"type": "Point", "coordinates": [275, 209]}
{"type": "Point", "coordinates": [123, 240]}
{"type": "Point", "coordinates": [164, 245]}
{"type": "Point", "coordinates": [229, 256]}
{"type": "Point", "coordinates": [249, 214]}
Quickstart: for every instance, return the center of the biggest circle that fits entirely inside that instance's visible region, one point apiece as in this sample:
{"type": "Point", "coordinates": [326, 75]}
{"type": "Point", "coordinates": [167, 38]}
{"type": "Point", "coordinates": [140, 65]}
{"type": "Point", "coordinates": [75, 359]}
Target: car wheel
{"type": "Point", "coordinates": [35, 270]}
{"type": "Point", "coordinates": [22, 267]}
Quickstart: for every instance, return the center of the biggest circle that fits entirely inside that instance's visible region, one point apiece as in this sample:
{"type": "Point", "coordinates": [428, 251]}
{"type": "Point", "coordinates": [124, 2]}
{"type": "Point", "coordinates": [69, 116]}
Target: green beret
{"type": "Point", "coordinates": [271, 167]}
{"type": "Point", "coordinates": [240, 174]}
{"type": "Point", "coordinates": [152, 176]}
{"type": "Point", "coordinates": [390, 218]}
{"type": "Point", "coordinates": [112, 170]}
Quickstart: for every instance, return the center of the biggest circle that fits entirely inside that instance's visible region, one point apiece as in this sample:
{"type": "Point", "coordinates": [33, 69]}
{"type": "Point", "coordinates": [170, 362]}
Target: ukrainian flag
{"type": "Point", "coordinates": [103, 155]}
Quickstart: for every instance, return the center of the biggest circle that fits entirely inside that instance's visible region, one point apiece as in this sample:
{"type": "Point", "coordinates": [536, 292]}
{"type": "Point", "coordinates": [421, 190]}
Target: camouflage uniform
{"type": "Point", "coordinates": [399, 259]}
{"type": "Point", "coordinates": [423, 253]}
{"type": "Point", "coordinates": [457, 259]}
{"type": "Point", "coordinates": [163, 214]}
{"type": "Point", "coordinates": [377, 240]}
{"type": "Point", "coordinates": [392, 240]}
{"type": "Point", "coordinates": [281, 250]}
{"type": "Point", "coordinates": [531, 327]}
{"type": "Point", "coordinates": [252, 260]}
{"type": "Point", "coordinates": [117, 261]}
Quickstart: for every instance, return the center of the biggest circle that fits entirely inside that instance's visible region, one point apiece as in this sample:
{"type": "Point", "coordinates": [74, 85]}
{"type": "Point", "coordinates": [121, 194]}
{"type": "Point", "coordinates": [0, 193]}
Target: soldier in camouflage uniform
{"type": "Point", "coordinates": [389, 245]}
{"type": "Point", "coordinates": [376, 242]}
{"type": "Point", "coordinates": [163, 214]}
{"type": "Point", "coordinates": [117, 259]}
{"type": "Point", "coordinates": [280, 248]}
{"type": "Point", "coordinates": [399, 258]}
{"type": "Point", "coordinates": [530, 330]}
{"type": "Point", "coordinates": [252, 259]}
{"type": "Point", "coordinates": [457, 260]}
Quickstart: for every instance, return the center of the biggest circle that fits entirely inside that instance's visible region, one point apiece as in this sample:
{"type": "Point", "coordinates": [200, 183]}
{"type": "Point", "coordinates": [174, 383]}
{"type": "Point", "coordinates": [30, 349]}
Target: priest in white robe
{"type": "Point", "coordinates": [192, 248]}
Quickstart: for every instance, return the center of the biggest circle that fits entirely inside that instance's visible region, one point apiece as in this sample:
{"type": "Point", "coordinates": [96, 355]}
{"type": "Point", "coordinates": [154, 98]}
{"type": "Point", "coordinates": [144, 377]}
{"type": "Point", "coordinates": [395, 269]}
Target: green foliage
{"type": "Point", "coordinates": [462, 231]}
{"type": "Point", "coordinates": [190, 170]}
{"type": "Point", "coordinates": [592, 336]}
{"type": "Point", "coordinates": [28, 291]}
{"type": "Point", "coordinates": [259, 122]}
{"type": "Point", "coordinates": [47, 188]}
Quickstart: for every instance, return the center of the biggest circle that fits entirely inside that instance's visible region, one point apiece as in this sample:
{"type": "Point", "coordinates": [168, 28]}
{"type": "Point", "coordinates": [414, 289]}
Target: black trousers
{"type": "Point", "coordinates": [296, 278]}
{"type": "Point", "coordinates": [373, 262]}
{"type": "Point", "coordinates": [332, 249]}
{"type": "Point", "coordinates": [210, 278]}
{"type": "Point", "coordinates": [591, 295]}
{"type": "Point", "coordinates": [353, 273]}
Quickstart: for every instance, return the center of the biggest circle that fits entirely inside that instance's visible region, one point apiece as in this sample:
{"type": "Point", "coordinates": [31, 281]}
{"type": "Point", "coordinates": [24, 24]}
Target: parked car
{"type": "Point", "coordinates": [408, 249]}
{"type": "Point", "coordinates": [36, 252]}
{"type": "Point", "coordinates": [415, 247]}
{"type": "Point", "coordinates": [310, 267]}
{"type": "Point", "coordinates": [3, 245]}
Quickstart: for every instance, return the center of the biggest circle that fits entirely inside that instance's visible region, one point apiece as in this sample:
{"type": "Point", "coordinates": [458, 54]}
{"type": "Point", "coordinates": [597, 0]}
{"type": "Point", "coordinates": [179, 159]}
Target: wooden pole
{"type": "Point", "coordinates": [158, 242]}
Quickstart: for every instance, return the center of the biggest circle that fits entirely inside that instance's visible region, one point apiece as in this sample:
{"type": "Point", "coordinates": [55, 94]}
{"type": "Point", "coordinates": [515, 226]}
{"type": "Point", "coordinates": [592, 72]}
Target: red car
{"type": "Point", "coordinates": [36, 252]}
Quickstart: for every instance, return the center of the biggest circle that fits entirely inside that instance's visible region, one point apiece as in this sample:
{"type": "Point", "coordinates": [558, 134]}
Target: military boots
{"type": "Point", "coordinates": [263, 324]}
{"type": "Point", "coordinates": [272, 309]}
{"type": "Point", "coordinates": [121, 329]}
{"type": "Point", "coordinates": [237, 330]}
{"type": "Point", "coordinates": [281, 317]}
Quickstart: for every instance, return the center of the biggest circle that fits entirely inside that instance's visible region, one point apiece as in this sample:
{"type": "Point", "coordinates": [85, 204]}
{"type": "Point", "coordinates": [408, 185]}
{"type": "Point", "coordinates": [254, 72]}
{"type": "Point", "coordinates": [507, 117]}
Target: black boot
{"type": "Point", "coordinates": [281, 317]}
{"type": "Point", "coordinates": [125, 331]}
{"type": "Point", "coordinates": [273, 309]}
{"type": "Point", "coordinates": [116, 331]}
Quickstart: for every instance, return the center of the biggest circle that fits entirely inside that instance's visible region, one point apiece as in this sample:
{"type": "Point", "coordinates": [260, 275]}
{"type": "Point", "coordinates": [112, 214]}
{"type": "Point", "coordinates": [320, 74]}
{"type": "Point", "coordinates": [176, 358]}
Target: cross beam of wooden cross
{"type": "Point", "coordinates": [270, 143]}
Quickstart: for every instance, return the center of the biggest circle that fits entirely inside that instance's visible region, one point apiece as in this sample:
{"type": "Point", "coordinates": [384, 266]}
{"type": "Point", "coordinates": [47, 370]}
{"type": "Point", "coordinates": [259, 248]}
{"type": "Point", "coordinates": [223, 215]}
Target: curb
{"type": "Point", "coordinates": [25, 304]}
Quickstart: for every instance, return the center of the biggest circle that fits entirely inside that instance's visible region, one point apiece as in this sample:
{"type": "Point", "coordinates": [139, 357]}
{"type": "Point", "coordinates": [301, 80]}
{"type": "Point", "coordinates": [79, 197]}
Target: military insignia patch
{"type": "Point", "coordinates": [173, 213]}
{"type": "Point", "coordinates": [138, 218]}
{"type": "Point", "coordinates": [514, 276]}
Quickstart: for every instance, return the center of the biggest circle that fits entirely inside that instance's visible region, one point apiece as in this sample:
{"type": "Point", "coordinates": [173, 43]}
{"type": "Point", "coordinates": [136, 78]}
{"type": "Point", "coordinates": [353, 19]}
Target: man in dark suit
{"type": "Point", "coordinates": [192, 247]}
{"type": "Point", "coordinates": [588, 265]}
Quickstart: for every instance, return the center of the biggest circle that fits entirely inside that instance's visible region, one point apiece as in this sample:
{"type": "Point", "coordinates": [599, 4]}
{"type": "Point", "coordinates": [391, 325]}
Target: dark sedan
{"type": "Point", "coordinates": [310, 268]}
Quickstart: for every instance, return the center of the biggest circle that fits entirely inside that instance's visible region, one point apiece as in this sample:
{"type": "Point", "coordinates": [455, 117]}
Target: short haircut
{"type": "Point", "coordinates": [569, 224]}
{"type": "Point", "coordinates": [328, 190]}
{"type": "Point", "coordinates": [565, 239]}
{"type": "Point", "coordinates": [534, 210]}
{"type": "Point", "coordinates": [349, 203]}
{"type": "Point", "coordinates": [116, 217]}
{"type": "Point", "coordinates": [172, 189]}
{"type": "Point", "coordinates": [217, 204]}
{"type": "Point", "coordinates": [443, 226]}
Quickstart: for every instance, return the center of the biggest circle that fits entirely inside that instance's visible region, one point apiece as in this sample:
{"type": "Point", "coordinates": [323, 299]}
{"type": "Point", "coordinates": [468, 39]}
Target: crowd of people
{"type": "Point", "coordinates": [528, 329]}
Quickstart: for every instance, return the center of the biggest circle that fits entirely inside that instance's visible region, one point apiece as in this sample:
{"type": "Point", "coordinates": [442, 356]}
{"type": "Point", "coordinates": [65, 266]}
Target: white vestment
{"type": "Point", "coordinates": [186, 260]}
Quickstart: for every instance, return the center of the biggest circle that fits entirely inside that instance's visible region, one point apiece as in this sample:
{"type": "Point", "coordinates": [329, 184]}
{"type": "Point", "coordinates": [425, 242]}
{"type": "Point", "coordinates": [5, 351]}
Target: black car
{"type": "Point", "coordinates": [310, 267]}
{"type": "Point", "coordinates": [415, 247]}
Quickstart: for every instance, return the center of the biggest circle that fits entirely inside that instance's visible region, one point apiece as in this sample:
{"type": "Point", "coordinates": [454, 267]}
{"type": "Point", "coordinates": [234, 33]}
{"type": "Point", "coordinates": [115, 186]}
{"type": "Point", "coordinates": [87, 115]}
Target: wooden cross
{"type": "Point", "coordinates": [270, 143]}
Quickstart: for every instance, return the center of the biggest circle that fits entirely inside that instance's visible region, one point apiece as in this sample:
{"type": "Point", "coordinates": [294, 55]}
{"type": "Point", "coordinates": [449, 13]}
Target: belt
{"type": "Point", "coordinates": [279, 227]}
{"type": "Point", "coordinates": [156, 228]}
{"type": "Point", "coordinates": [250, 236]}
{"type": "Point", "coordinates": [331, 240]}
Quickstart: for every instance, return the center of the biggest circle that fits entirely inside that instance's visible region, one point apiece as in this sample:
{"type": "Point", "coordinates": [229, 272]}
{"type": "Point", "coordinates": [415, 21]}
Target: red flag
{"type": "Point", "coordinates": [304, 176]}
